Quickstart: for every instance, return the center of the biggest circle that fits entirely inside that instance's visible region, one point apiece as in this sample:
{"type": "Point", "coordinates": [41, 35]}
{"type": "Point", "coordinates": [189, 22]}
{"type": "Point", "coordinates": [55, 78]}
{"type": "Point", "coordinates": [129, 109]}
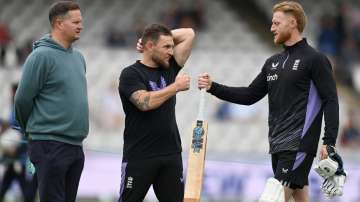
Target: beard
{"type": "Point", "coordinates": [160, 62]}
{"type": "Point", "coordinates": [282, 37]}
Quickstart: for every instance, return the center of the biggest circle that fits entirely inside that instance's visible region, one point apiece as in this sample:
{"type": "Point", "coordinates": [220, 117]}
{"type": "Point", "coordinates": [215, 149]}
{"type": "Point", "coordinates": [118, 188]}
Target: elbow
{"type": "Point", "coordinates": [249, 103]}
{"type": "Point", "coordinates": [18, 101]}
{"type": "Point", "coordinates": [252, 99]}
{"type": "Point", "coordinates": [190, 33]}
{"type": "Point", "coordinates": [245, 102]}
{"type": "Point", "coordinates": [22, 104]}
{"type": "Point", "coordinates": [146, 108]}
{"type": "Point", "coordinates": [151, 107]}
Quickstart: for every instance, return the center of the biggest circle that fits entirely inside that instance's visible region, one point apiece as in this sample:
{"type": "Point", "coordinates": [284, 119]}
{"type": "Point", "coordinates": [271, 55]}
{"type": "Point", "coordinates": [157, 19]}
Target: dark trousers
{"type": "Point", "coordinates": [164, 173]}
{"type": "Point", "coordinates": [58, 167]}
{"type": "Point", "coordinates": [28, 186]}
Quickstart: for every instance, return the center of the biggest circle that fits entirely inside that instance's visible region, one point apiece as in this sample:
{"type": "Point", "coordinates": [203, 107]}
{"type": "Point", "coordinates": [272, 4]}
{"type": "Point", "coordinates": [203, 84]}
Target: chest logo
{"type": "Point", "coordinates": [274, 65]}
{"type": "Point", "coordinates": [155, 87]}
{"type": "Point", "coordinates": [296, 64]}
{"type": "Point", "coordinates": [272, 77]}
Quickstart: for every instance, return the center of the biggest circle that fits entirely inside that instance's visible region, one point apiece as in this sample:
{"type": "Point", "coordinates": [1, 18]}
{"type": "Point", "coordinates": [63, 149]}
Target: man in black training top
{"type": "Point", "coordinates": [152, 145]}
{"type": "Point", "coordinates": [300, 89]}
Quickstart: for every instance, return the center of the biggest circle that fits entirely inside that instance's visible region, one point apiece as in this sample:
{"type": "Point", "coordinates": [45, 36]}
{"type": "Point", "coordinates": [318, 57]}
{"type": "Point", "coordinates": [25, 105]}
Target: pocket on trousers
{"type": "Point", "coordinates": [35, 151]}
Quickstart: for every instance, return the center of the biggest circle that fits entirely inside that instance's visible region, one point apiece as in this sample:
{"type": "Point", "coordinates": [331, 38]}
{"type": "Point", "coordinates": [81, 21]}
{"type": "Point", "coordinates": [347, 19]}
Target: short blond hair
{"type": "Point", "coordinates": [295, 9]}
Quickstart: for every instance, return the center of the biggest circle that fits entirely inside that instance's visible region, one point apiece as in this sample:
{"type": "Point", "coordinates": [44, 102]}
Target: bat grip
{"type": "Point", "coordinates": [201, 112]}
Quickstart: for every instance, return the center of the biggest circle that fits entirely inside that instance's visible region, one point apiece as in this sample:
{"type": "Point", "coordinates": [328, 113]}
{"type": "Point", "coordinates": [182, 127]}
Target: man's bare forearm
{"type": "Point", "coordinates": [149, 100]}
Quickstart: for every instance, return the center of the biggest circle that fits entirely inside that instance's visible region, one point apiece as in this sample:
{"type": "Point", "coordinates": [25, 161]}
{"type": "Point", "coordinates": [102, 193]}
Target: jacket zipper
{"type": "Point", "coordinates": [283, 65]}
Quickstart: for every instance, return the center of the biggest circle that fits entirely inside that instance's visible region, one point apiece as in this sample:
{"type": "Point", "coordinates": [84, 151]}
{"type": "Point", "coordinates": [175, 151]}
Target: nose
{"type": "Point", "coordinates": [272, 28]}
{"type": "Point", "coordinates": [81, 26]}
{"type": "Point", "coordinates": [171, 51]}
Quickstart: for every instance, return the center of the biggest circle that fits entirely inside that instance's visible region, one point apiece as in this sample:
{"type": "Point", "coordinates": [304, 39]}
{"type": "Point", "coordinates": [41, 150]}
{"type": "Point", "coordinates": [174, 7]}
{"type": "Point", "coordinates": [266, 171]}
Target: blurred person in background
{"type": "Point", "coordinates": [5, 38]}
{"type": "Point", "coordinates": [148, 88]}
{"type": "Point", "coordinates": [115, 38]}
{"type": "Point", "coordinates": [23, 51]}
{"type": "Point", "coordinates": [300, 88]}
{"type": "Point", "coordinates": [227, 111]}
{"type": "Point", "coordinates": [51, 105]}
{"type": "Point", "coordinates": [14, 158]}
{"type": "Point", "coordinates": [329, 37]}
{"type": "Point", "coordinates": [355, 26]}
{"type": "Point", "coordinates": [178, 15]}
{"type": "Point", "coordinates": [333, 41]}
{"type": "Point", "coordinates": [350, 134]}
{"type": "Point", "coordinates": [124, 37]}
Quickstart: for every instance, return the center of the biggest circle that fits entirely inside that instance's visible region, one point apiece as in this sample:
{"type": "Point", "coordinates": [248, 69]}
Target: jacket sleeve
{"type": "Point", "coordinates": [33, 79]}
{"type": "Point", "coordinates": [242, 95]}
{"type": "Point", "coordinates": [321, 73]}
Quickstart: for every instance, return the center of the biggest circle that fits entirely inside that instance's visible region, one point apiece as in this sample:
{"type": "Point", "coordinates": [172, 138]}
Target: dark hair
{"type": "Point", "coordinates": [61, 8]}
{"type": "Point", "coordinates": [152, 32]}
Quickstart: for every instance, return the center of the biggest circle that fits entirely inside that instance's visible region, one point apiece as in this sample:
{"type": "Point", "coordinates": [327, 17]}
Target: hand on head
{"type": "Point", "coordinates": [139, 46]}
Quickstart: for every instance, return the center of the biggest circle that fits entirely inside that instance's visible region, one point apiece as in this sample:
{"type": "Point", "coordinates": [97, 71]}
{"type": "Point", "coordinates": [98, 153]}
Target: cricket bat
{"type": "Point", "coordinates": [197, 152]}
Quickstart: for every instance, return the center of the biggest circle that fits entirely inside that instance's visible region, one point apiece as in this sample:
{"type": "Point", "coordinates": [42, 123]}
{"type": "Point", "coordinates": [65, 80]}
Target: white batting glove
{"type": "Point", "coordinates": [332, 170]}
{"type": "Point", "coordinates": [333, 186]}
{"type": "Point", "coordinates": [326, 168]}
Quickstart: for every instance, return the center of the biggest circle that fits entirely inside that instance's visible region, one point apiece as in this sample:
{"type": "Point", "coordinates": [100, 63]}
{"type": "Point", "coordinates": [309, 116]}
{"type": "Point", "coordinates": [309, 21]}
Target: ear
{"type": "Point", "coordinates": [149, 45]}
{"type": "Point", "coordinates": [293, 22]}
{"type": "Point", "coordinates": [58, 22]}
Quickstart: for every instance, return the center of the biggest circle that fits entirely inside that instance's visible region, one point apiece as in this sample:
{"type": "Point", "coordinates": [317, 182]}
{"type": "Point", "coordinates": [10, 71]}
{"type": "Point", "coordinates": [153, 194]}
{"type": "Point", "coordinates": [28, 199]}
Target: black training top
{"type": "Point", "coordinates": [149, 133]}
{"type": "Point", "coordinates": [300, 89]}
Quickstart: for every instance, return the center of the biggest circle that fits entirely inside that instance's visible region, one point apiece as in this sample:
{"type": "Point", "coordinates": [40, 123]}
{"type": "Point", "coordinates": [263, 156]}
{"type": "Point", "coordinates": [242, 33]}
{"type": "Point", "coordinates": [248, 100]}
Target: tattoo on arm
{"type": "Point", "coordinates": [141, 99]}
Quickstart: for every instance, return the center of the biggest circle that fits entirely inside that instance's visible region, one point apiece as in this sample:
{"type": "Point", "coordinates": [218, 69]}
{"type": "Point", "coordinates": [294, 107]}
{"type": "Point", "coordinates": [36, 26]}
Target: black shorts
{"type": "Point", "coordinates": [292, 168]}
{"type": "Point", "coordinates": [165, 173]}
